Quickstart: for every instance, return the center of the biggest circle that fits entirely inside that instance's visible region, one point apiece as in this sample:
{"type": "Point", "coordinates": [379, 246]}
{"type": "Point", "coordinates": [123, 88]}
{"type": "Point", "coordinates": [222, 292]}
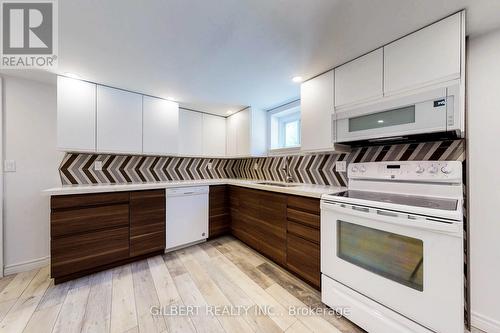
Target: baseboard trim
{"type": "Point", "coordinates": [26, 266]}
{"type": "Point", "coordinates": [484, 323]}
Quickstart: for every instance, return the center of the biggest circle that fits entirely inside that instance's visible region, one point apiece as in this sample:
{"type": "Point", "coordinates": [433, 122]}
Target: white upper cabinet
{"type": "Point", "coordinates": [429, 56]}
{"type": "Point", "coordinates": [360, 80]}
{"type": "Point", "coordinates": [76, 115]}
{"type": "Point", "coordinates": [317, 106]}
{"type": "Point", "coordinates": [119, 121]}
{"type": "Point", "coordinates": [243, 136]}
{"type": "Point", "coordinates": [214, 135]}
{"type": "Point", "coordinates": [190, 133]}
{"type": "Point", "coordinates": [231, 135]}
{"type": "Point", "coordinates": [246, 133]}
{"type": "Point", "coordinates": [160, 126]}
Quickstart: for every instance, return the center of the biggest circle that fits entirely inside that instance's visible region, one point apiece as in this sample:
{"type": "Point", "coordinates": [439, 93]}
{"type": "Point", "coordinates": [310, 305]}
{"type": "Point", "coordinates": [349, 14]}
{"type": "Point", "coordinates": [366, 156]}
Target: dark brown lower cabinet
{"type": "Point", "coordinates": [284, 228]}
{"type": "Point", "coordinates": [219, 218]}
{"type": "Point", "coordinates": [303, 238]}
{"type": "Point", "coordinates": [147, 222]}
{"type": "Point", "coordinates": [92, 232]}
{"type": "Point", "coordinates": [258, 218]}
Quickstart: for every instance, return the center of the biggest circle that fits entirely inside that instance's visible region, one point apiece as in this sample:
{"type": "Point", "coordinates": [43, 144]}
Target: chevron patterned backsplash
{"type": "Point", "coordinates": [78, 168]}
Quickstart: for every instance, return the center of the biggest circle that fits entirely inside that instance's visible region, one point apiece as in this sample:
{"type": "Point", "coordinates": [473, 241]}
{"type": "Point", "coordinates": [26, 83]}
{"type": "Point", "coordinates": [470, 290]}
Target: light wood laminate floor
{"type": "Point", "coordinates": [217, 276]}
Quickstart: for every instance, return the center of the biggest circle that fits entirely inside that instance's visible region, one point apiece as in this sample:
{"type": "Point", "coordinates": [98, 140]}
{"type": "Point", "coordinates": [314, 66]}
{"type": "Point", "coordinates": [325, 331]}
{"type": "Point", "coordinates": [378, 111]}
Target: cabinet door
{"type": "Point", "coordinates": [243, 133]}
{"type": "Point", "coordinates": [231, 135]}
{"type": "Point", "coordinates": [147, 222]}
{"type": "Point", "coordinates": [190, 133]}
{"type": "Point", "coordinates": [426, 57]}
{"type": "Point", "coordinates": [76, 115]}
{"type": "Point", "coordinates": [214, 135]}
{"type": "Point", "coordinates": [219, 219]}
{"type": "Point", "coordinates": [316, 103]}
{"type": "Point", "coordinates": [119, 121]}
{"type": "Point", "coordinates": [161, 126]}
{"type": "Point", "coordinates": [359, 80]}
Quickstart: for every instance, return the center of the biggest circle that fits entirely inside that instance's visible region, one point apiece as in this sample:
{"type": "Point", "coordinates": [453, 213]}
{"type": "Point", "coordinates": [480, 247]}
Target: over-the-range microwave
{"type": "Point", "coordinates": [427, 115]}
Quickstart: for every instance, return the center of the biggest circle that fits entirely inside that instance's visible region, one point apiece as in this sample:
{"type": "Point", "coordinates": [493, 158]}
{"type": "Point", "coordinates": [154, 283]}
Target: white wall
{"type": "Point", "coordinates": [484, 179]}
{"type": "Point", "coordinates": [29, 139]}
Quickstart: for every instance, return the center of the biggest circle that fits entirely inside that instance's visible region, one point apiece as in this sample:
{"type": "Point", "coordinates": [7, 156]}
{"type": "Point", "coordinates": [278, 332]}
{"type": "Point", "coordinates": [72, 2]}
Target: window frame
{"type": "Point", "coordinates": [294, 116]}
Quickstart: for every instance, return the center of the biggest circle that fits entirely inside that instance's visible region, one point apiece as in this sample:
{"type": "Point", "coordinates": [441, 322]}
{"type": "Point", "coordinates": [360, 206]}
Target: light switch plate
{"type": "Point", "coordinates": [209, 165]}
{"type": "Point", "coordinates": [9, 166]}
{"type": "Point", "coordinates": [98, 165]}
{"type": "Point", "coordinates": [341, 166]}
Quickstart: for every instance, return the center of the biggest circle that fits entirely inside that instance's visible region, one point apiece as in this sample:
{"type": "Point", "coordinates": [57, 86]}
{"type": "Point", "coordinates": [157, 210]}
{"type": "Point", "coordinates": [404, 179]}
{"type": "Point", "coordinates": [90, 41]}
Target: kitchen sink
{"type": "Point", "coordinates": [279, 184]}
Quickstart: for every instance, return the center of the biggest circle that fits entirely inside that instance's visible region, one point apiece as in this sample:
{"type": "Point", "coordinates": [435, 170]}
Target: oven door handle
{"type": "Point", "coordinates": [402, 219]}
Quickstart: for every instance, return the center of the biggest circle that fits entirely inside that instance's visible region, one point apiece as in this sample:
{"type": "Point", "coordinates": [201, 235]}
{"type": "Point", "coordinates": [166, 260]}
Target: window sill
{"type": "Point", "coordinates": [284, 151]}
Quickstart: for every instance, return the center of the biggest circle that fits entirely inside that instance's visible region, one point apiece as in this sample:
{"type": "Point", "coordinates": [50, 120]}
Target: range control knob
{"type": "Point", "coordinates": [420, 169]}
{"type": "Point", "coordinates": [354, 169]}
{"type": "Point", "coordinates": [362, 168]}
{"type": "Point", "coordinates": [445, 170]}
{"type": "Point", "coordinates": [433, 169]}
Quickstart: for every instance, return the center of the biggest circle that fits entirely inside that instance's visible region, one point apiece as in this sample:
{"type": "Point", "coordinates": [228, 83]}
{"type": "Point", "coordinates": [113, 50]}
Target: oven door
{"type": "Point", "coordinates": [408, 263]}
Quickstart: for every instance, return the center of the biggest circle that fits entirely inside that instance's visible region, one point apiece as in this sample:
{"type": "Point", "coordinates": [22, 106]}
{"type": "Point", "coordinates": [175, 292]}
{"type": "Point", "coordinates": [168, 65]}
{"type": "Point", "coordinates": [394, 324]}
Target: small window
{"type": "Point", "coordinates": [284, 126]}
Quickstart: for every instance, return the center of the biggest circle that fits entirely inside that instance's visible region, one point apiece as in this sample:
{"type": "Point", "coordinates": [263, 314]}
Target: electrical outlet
{"type": "Point", "coordinates": [341, 166]}
{"type": "Point", "coordinates": [255, 166]}
{"type": "Point", "coordinates": [9, 166]}
{"type": "Point", "coordinates": [98, 165]}
{"type": "Point", "coordinates": [209, 165]}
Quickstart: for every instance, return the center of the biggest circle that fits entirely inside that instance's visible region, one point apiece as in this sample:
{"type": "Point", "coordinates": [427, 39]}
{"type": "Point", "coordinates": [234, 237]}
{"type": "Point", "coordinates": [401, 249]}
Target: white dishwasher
{"type": "Point", "coordinates": [187, 216]}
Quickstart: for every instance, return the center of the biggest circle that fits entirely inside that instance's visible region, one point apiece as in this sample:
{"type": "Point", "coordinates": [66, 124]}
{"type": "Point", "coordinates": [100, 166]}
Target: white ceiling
{"type": "Point", "coordinates": [222, 55]}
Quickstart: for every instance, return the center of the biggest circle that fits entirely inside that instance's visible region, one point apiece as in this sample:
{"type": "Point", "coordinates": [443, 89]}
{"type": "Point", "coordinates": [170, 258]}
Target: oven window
{"type": "Point", "coordinates": [400, 116]}
{"type": "Point", "coordinates": [396, 257]}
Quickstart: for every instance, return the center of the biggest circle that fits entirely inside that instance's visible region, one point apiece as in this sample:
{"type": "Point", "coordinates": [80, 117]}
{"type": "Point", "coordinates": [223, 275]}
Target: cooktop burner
{"type": "Point", "coordinates": [400, 199]}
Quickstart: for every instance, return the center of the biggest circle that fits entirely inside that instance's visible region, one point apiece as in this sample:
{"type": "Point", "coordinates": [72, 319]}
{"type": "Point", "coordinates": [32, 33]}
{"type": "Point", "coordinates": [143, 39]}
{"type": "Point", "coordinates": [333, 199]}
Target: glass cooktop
{"type": "Point", "coordinates": [401, 199]}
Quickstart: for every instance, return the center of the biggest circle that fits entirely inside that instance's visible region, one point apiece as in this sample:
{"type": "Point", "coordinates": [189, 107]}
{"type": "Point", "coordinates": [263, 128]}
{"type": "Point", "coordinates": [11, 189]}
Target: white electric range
{"type": "Point", "coordinates": [392, 247]}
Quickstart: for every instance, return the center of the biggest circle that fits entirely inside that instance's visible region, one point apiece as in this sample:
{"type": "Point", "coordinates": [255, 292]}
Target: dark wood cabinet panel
{"type": "Point", "coordinates": [258, 218]}
{"type": "Point", "coordinates": [79, 252]}
{"type": "Point", "coordinates": [308, 233]}
{"type": "Point", "coordinates": [147, 221]}
{"type": "Point", "coordinates": [303, 258]}
{"type": "Point", "coordinates": [303, 238]}
{"type": "Point", "coordinates": [304, 204]}
{"type": "Point", "coordinates": [310, 219]}
{"type": "Point", "coordinates": [147, 212]}
{"type": "Point", "coordinates": [85, 200]}
{"type": "Point", "coordinates": [68, 222]}
{"type": "Point", "coordinates": [147, 243]}
{"type": "Point", "coordinates": [219, 219]}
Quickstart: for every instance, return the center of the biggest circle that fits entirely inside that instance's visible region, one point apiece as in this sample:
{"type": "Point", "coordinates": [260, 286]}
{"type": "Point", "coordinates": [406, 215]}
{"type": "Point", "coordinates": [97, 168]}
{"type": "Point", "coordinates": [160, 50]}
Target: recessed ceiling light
{"type": "Point", "coordinates": [297, 79]}
{"type": "Point", "coordinates": [72, 75]}
{"type": "Point", "coordinates": [380, 121]}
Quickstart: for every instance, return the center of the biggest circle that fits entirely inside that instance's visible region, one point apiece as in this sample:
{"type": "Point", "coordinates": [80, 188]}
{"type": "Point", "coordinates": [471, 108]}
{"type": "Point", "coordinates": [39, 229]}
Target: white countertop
{"type": "Point", "coordinates": [308, 190]}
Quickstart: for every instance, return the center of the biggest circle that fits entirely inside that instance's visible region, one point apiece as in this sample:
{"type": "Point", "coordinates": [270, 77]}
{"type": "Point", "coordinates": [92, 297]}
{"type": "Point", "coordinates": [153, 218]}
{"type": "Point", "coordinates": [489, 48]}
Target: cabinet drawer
{"type": "Point", "coordinates": [310, 205]}
{"type": "Point", "coordinates": [311, 234]}
{"type": "Point", "coordinates": [89, 250]}
{"type": "Point", "coordinates": [83, 200]}
{"type": "Point", "coordinates": [66, 222]}
{"type": "Point", "coordinates": [309, 219]}
{"type": "Point", "coordinates": [147, 212]}
{"type": "Point", "coordinates": [303, 258]}
{"type": "Point", "coordinates": [147, 243]}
